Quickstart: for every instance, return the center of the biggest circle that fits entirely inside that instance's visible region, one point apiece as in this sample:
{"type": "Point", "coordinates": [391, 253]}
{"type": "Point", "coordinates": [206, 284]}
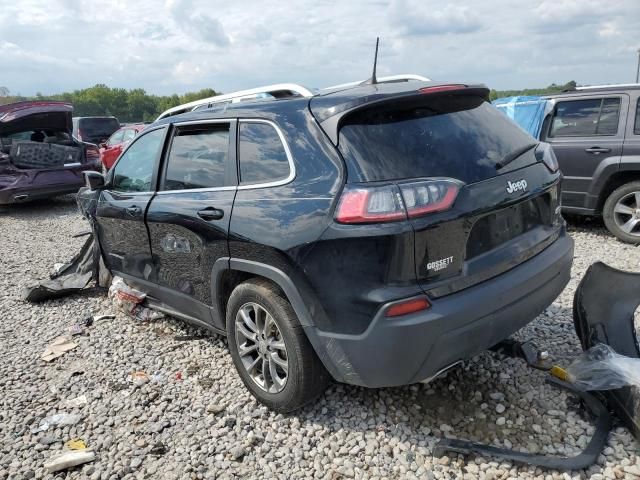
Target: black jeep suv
{"type": "Point", "coordinates": [375, 234]}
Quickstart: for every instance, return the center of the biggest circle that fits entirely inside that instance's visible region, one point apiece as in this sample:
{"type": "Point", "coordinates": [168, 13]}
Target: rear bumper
{"type": "Point", "coordinates": [405, 350]}
{"type": "Point", "coordinates": [27, 185]}
{"type": "Point", "coordinates": [23, 194]}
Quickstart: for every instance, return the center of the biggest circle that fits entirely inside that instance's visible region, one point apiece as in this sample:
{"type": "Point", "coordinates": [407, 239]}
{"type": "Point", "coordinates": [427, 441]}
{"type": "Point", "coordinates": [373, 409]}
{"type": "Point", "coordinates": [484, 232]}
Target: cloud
{"type": "Point", "coordinates": [179, 45]}
{"type": "Point", "coordinates": [418, 18]}
{"type": "Point", "coordinates": [192, 20]}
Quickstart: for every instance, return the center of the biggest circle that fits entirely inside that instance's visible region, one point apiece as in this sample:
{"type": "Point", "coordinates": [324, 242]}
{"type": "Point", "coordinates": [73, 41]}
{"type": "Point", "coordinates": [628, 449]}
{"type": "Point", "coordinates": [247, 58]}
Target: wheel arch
{"type": "Point", "coordinates": [228, 273]}
{"type": "Point", "coordinates": [614, 181]}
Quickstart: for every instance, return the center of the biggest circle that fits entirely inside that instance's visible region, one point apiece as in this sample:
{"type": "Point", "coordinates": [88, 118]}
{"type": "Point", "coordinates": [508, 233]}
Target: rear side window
{"type": "Point", "coordinates": [198, 158]}
{"type": "Point", "coordinates": [583, 118]}
{"type": "Point", "coordinates": [636, 126]}
{"type": "Point", "coordinates": [263, 157]}
{"type": "Point", "coordinates": [460, 136]}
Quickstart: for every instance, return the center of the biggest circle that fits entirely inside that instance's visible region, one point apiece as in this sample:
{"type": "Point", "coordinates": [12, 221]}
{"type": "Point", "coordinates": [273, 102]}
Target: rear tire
{"type": "Point", "coordinates": [264, 335]}
{"type": "Point", "coordinates": [621, 212]}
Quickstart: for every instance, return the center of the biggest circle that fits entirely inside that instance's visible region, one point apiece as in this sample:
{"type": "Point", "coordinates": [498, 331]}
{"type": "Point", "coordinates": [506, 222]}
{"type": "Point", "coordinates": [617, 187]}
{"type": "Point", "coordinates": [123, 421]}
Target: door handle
{"type": "Point", "coordinates": [597, 150]}
{"type": "Point", "coordinates": [211, 213]}
{"type": "Point", "coordinates": [134, 210]}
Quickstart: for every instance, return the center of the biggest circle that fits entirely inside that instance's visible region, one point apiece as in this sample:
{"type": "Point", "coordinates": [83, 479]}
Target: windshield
{"type": "Point", "coordinates": [98, 127]}
{"type": "Point", "coordinates": [461, 137]}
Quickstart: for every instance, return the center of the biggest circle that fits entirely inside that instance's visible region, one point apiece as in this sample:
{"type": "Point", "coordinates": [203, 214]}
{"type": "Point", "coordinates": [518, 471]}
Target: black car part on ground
{"type": "Point", "coordinates": [584, 459]}
{"type": "Point", "coordinates": [603, 312]}
{"type": "Point", "coordinates": [73, 277]}
{"type": "Point", "coordinates": [86, 266]}
{"type": "Point", "coordinates": [591, 402]}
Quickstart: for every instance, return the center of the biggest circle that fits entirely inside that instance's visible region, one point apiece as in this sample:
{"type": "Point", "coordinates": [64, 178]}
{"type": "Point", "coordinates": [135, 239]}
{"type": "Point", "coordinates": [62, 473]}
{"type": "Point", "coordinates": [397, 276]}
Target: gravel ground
{"type": "Point", "coordinates": [206, 425]}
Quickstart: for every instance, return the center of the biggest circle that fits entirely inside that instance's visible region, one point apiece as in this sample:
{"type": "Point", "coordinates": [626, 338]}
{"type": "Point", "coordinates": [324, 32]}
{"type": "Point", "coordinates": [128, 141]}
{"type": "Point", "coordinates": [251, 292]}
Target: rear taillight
{"type": "Point", "coordinates": [429, 196]}
{"type": "Point", "coordinates": [371, 205]}
{"type": "Point", "coordinates": [390, 203]}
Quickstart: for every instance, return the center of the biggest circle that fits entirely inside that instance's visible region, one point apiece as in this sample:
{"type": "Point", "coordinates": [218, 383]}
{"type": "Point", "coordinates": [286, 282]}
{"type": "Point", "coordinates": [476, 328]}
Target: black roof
{"type": "Point", "coordinates": [328, 107]}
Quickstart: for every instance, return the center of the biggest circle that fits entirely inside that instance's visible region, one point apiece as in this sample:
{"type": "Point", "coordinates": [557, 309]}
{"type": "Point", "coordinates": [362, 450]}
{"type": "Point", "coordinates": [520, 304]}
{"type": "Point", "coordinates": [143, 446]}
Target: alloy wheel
{"type": "Point", "coordinates": [626, 213]}
{"type": "Point", "coordinates": [261, 347]}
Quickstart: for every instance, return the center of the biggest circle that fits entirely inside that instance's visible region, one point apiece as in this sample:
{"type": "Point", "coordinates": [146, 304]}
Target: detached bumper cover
{"type": "Point", "coordinates": [408, 349]}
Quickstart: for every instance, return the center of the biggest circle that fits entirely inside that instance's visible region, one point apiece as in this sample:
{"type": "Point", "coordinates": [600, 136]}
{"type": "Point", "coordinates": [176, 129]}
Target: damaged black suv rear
{"type": "Point", "coordinates": [375, 234]}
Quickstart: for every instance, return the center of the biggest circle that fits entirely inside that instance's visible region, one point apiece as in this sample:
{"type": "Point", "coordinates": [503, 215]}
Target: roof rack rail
{"type": "Point", "coordinates": [612, 85]}
{"type": "Point", "coordinates": [280, 90]}
{"type": "Point", "coordinates": [405, 77]}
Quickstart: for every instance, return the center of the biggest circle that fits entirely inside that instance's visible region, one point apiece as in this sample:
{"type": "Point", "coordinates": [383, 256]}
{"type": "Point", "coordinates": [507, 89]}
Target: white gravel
{"type": "Point", "coordinates": [206, 425]}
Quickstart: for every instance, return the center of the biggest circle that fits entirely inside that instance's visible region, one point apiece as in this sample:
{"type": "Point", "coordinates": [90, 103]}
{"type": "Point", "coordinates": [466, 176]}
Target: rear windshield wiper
{"type": "Point", "coordinates": [507, 159]}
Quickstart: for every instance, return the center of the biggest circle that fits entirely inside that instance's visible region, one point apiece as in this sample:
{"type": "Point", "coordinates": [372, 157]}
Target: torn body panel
{"type": "Point", "coordinates": [604, 309]}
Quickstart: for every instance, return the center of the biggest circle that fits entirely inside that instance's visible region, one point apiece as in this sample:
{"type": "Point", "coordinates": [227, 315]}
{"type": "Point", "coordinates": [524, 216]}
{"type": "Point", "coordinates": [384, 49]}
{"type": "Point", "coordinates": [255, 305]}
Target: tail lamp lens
{"type": "Point", "coordinates": [409, 306]}
{"type": "Point", "coordinates": [396, 202]}
{"type": "Point", "coordinates": [371, 205]}
{"type": "Point", "coordinates": [431, 196]}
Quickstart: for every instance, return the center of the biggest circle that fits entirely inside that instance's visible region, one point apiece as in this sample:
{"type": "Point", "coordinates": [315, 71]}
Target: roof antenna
{"type": "Point", "coordinates": [373, 80]}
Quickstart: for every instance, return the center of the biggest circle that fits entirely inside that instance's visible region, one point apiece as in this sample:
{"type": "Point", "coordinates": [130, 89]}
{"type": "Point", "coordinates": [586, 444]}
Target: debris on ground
{"type": "Point", "coordinates": [69, 459]}
{"type": "Point", "coordinates": [76, 329]}
{"type": "Point", "coordinates": [58, 347]}
{"type": "Point", "coordinates": [70, 277]}
{"type": "Point", "coordinates": [57, 420]}
{"type": "Point", "coordinates": [601, 368]}
{"type": "Point", "coordinates": [139, 378]}
{"type": "Point", "coordinates": [76, 444]}
{"type": "Point", "coordinates": [130, 301]}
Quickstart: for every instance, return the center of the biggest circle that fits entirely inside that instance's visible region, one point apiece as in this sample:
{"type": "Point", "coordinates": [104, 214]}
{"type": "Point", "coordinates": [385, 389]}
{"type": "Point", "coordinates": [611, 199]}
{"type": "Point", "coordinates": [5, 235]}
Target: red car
{"type": "Point", "coordinates": [112, 148]}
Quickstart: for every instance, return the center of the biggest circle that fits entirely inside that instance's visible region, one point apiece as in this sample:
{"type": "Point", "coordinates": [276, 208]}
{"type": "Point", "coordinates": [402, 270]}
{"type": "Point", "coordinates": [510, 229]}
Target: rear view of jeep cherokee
{"type": "Point", "coordinates": [373, 234]}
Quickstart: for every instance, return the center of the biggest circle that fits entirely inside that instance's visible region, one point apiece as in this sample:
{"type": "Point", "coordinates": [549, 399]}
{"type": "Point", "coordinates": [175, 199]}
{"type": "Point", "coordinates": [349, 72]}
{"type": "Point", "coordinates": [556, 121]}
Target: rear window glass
{"type": "Point", "coordinates": [198, 158]}
{"type": "Point", "coordinates": [583, 118]}
{"type": "Point", "coordinates": [262, 154]}
{"type": "Point", "coordinates": [95, 127]}
{"type": "Point", "coordinates": [461, 137]}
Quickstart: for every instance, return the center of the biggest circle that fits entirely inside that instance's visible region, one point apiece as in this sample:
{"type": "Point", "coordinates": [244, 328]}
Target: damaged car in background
{"type": "Point", "coordinates": [39, 158]}
{"type": "Point", "coordinates": [376, 234]}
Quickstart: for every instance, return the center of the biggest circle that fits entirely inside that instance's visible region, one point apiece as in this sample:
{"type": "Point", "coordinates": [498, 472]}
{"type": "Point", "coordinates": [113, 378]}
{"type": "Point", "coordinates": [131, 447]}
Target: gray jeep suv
{"type": "Point", "coordinates": [595, 134]}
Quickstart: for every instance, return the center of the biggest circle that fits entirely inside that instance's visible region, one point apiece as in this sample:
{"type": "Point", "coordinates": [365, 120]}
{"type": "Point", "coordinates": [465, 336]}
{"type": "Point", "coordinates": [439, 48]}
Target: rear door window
{"type": "Point", "coordinates": [263, 157]}
{"type": "Point", "coordinates": [586, 117]}
{"type": "Point", "coordinates": [198, 158]}
{"type": "Point", "coordinates": [134, 170]}
{"type": "Point", "coordinates": [461, 137]}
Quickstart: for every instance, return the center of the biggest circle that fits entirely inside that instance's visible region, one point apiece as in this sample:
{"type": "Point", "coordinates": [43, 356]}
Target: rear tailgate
{"type": "Point", "coordinates": [488, 231]}
{"type": "Point", "coordinates": [505, 211]}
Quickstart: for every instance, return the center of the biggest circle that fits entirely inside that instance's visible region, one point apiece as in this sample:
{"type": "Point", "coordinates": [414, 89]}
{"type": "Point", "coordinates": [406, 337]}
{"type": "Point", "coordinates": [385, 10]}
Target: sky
{"type": "Point", "coordinates": [174, 46]}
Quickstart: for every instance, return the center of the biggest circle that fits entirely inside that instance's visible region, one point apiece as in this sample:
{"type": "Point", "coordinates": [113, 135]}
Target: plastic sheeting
{"type": "Point", "coordinates": [527, 111]}
{"type": "Point", "coordinates": [601, 368]}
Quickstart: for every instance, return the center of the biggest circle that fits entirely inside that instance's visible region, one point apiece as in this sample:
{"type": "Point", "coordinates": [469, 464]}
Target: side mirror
{"type": "Point", "coordinates": [94, 180]}
{"type": "Point", "coordinates": [103, 145]}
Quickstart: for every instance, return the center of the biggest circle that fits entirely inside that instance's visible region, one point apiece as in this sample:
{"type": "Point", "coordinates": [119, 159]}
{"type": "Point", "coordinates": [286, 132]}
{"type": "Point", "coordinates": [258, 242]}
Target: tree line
{"type": "Point", "coordinates": [137, 105]}
{"type": "Point", "coordinates": [134, 105]}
